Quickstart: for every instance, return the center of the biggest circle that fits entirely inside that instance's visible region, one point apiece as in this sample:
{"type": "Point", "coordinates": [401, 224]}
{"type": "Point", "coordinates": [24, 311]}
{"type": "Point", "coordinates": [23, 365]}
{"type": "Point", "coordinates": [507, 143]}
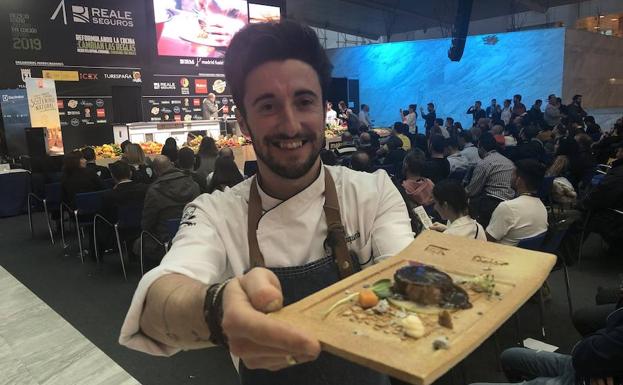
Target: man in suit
{"type": "Point", "coordinates": [125, 193]}
{"type": "Point", "coordinates": [89, 155]}
{"type": "Point", "coordinates": [210, 108]}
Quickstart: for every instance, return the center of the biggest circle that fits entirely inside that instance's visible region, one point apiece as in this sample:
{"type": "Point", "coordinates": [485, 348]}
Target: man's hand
{"type": "Point", "coordinates": [438, 227]}
{"type": "Point", "coordinates": [260, 341]}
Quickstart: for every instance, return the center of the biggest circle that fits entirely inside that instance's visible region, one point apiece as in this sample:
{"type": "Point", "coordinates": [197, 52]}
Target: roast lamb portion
{"type": "Point", "coordinates": [426, 285]}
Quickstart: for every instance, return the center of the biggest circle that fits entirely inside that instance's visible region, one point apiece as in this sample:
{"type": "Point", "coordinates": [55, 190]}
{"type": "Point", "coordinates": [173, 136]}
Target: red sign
{"type": "Point", "coordinates": [201, 86]}
{"type": "Point", "coordinates": [60, 104]}
{"type": "Point", "coordinates": [197, 102]}
{"type": "Point", "coordinates": [101, 113]}
{"type": "Point", "coordinates": [178, 118]}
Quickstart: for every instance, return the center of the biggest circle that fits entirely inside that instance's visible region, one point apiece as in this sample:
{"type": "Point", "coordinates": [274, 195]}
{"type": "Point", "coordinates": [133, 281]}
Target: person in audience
{"type": "Point", "coordinates": [165, 199]}
{"type": "Point", "coordinates": [575, 112]}
{"type": "Point", "coordinates": [437, 167]}
{"type": "Point", "coordinates": [89, 155]}
{"type": "Point", "coordinates": [392, 152]}
{"type": "Point", "coordinates": [124, 145]}
{"type": "Point", "coordinates": [449, 127]}
{"type": "Point", "coordinates": [328, 157]}
{"type": "Point", "coordinates": [135, 157]}
{"type": "Point", "coordinates": [562, 191]}
{"type": "Point", "coordinates": [468, 150]}
{"type": "Point", "coordinates": [535, 115]}
{"type": "Point", "coordinates": [429, 118]}
{"type": "Point", "coordinates": [450, 201]}
{"type": "Point", "coordinates": [606, 147]}
{"type": "Point", "coordinates": [552, 114]}
{"type": "Point", "coordinates": [507, 112]}
{"type": "Point", "coordinates": [347, 115]}
{"type": "Point", "coordinates": [594, 360]}
{"type": "Point", "coordinates": [226, 175]}
{"type": "Point", "coordinates": [126, 192]}
{"type": "Point", "coordinates": [77, 178]}
{"type": "Point", "coordinates": [590, 319]}
{"type": "Point", "coordinates": [331, 117]}
{"type": "Point", "coordinates": [475, 132]}
{"type": "Point", "coordinates": [458, 163]}
{"type": "Point", "coordinates": [410, 118]}
{"type": "Point", "coordinates": [476, 111]}
{"type": "Point", "coordinates": [401, 130]}
{"type": "Point", "coordinates": [439, 129]}
{"type": "Point", "coordinates": [206, 157]}
{"type": "Point", "coordinates": [491, 179]}
{"type": "Point", "coordinates": [606, 204]}
{"type": "Point", "coordinates": [592, 128]}
{"type": "Point", "coordinates": [531, 146]}
{"type": "Point", "coordinates": [498, 133]}
{"type": "Point", "coordinates": [364, 116]}
{"type": "Point", "coordinates": [170, 149]}
{"type": "Point", "coordinates": [360, 161]}
{"type": "Point", "coordinates": [185, 162]}
{"type": "Point", "coordinates": [417, 188]}
{"type": "Point", "coordinates": [585, 155]}
{"type": "Point", "coordinates": [518, 107]}
{"type": "Point", "coordinates": [525, 216]}
{"type": "Point", "coordinates": [347, 147]}
{"type": "Point", "coordinates": [365, 145]}
{"type": "Point", "coordinates": [494, 111]}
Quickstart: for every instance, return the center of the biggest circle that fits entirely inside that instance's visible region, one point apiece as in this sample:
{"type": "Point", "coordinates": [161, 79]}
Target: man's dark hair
{"type": "Point", "coordinates": [120, 170]}
{"type": "Point", "coordinates": [451, 191]}
{"type": "Point", "coordinates": [414, 162]}
{"type": "Point", "coordinates": [88, 153]}
{"type": "Point", "coordinates": [466, 135]}
{"type": "Point", "coordinates": [531, 131]}
{"type": "Point", "coordinates": [437, 143]}
{"type": "Point", "coordinates": [531, 172]}
{"type": "Point", "coordinates": [576, 97]}
{"type": "Point", "coordinates": [186, 158]}
{"type": "Point", "coordinates": [413, 106]}
{"type": "Point", "coordinates": [431, 105]}
{"type": "Point", "coordinates": [439, 121]}
{"type": "Point", "coordinates": [363, 106]}
{"type": "Point", "coordinates": [124, 144]}
{"type": "Point", "coordinates": [478, 102]}
{"type": "Point", "coordinates": [360, 161]}
{"type": "Point", "coordinates": [487, 142]}
{"type": "Point", "coordinates": [259, 43]}
{"type": "Point", "coordinates": [394, 142]}
{"type": "Point", "coordinates": [449, 119]}
{"type": "Point", "coordinates": [517, 96]}
{"type": "Point", "coordinates": [589, 119]}
{"type": "Point", "coordinates": [452, 143]}
{"type": "Point", "coordinates": [538, 101]}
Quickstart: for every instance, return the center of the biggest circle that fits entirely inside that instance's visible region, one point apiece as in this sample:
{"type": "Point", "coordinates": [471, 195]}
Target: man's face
{"type": "Point", "coordinates": [578, 100]}
{"type": "Point", "coordinates": [284, 116]}
{"type": "Point", "coordinates": [494, 102]}
{"type": "Point", "coordinates": [430, 108]}
{"type": "Point", "coordinates": [552, 100]}
{"type": "Point", "coordinates": [515, 99]}
{"type": "Point", "coordinates": [477, 105]}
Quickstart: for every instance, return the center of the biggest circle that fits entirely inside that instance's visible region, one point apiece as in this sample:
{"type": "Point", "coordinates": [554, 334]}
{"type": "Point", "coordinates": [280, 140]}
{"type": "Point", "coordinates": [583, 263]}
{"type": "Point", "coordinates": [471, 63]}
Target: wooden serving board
{"type": "Point", "coordinates": [518, 275]}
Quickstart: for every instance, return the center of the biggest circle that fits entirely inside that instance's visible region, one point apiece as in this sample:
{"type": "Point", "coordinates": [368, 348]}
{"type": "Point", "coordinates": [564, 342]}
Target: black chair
{"type": "Point", "coordinates": [87, 205]}
{"type": "Point", "coordinates": [545, 190]}
{"type": "Point", "coordinates": [551, 244]}
{"type": "Point", "coordinates": [126, 228]}
{"type": "Point", "coordinates": [250, 168]}
{"type": "Point", "coordinates": [109, 183]}
{"type": "Point", "coordinates": [172, 226]}
{"type": "Point", "coordinates": [50, 201]}
{"type": "Point", "coordinates": [535, 243]}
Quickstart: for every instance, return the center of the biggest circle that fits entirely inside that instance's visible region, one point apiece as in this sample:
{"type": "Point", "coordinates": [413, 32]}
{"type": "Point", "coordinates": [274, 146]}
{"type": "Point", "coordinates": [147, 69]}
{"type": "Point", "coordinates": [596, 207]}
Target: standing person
{"type": "Point", "coordinates": [518, 107]}
{"type": "Point", "coordinates": [535, 115]}
{"type": "Point", "coordinates": [101, 171]}
{"type": "Point", "coordinates": [331, 114]}
{"type": "Point", "coordinates": [451, 203]}
{"type": "Point", "coordinates": [449, 127]}
{"type": "Point", "coordinates": [477, 112]}
{"type": "Point", "coordinates": [429, 118]}
{"type": "Point", "coordinates": [575, 112]}
{"type": "Point", "coordinates": [170, 149]}
{"type": "Point", "coordinates": [506, 113]}
{"type": "Point", "coordinates": [206, 157]}
{"type": "Point", "coordinates": [210, 108]}
{"type": "Point", "coordinates": [410, 118]}
{"type": "Point", "coordinates": [494, 111]}
{"type": "Point", "coordinates": [364, 116]}
{"type": "Point", "coordinates": [552, 114]}
{"type": "Point", "coordinates": [241, 275]}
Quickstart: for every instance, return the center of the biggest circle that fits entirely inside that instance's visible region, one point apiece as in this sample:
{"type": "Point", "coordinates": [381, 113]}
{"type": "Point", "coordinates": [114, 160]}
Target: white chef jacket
{"type": "Point", "coordinates": [212, 244]}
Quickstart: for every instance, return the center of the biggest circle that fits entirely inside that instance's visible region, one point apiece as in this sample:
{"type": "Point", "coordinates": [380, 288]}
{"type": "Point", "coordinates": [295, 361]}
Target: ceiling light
{"type": "Point", "coordinates": [601, 16]}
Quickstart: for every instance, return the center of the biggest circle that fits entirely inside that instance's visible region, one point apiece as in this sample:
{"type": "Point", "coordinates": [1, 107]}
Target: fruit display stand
{"type": "Point", "coordinates": [159, 131]}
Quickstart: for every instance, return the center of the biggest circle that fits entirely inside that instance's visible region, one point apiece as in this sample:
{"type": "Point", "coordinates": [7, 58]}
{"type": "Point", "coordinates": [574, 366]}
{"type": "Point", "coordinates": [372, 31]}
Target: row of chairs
{"type": "Point", "coordinates": [87, 214]}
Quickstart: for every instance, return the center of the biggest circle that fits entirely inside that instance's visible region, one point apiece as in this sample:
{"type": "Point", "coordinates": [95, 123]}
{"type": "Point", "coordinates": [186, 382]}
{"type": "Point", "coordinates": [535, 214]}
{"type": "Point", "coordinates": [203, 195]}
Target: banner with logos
{"type": "Point", "coordinates": [15, 118]}
{"type": "Point", "coordinates": [43, 108]}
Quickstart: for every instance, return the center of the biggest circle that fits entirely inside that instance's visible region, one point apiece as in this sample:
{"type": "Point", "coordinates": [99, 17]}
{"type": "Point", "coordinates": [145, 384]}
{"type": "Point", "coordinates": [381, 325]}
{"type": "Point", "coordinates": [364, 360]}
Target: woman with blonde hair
{"type": "Point", "coordinates": [562, 190]}
{"type": "Point", "coordinates": [135, 157]}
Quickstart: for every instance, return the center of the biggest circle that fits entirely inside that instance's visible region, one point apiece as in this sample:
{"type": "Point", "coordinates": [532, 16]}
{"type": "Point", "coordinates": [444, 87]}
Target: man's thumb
{"type": "Point", "coordinates": [263, 289]}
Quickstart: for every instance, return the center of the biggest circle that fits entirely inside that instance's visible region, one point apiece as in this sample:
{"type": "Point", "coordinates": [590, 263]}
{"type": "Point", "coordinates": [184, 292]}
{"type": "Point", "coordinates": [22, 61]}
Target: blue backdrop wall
{"type": "Point", "coordinates": [394, 75]}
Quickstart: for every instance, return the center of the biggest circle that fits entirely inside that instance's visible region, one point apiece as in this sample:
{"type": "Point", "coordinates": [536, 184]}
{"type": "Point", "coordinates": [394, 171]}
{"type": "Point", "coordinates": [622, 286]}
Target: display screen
{"type": "Point", "coordinates": [197, 28]}
{"type": "Point", "coordinates": [259, 13]}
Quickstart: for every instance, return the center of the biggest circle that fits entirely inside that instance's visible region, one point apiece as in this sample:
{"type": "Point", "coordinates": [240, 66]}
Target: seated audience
{"type": "Point", "coordinates": [328, 157]}
{"type": "Point", "coordinates": [226, 174]}
{"type": "Point", "coordinates": [185, 162]}
{"type": "Point", "coordinates": [490, 183]}
{"type": "Point", "coordinates": [592, 128]}
{"type": "Point", "coordinates": [365, 145]}
{"type": "Point", "coordinates": [437, 167]}
{"type": "Point", "coordinates": [439, 129]}
{"type": "Point", "coordinates": [451, 204]}
{"type": "Point", "coordinates": [165, 199]}
{"type": "Point", "coordinates": [126, 192]}
{"type": "Point", "coordinates": [401, 130]}
{"type": "Point", "coordinates": [468, 150]}
{"type": "Point", "coordinates": [206, 157]}
{"type": "Point", "coordinates": [524, 216]}
{"type": "Point", "coordinates": [392, 152]}
{"type": "Point", "coordinates": [606, 147]}
{"type": "Point", "coordinates": [360, 161]}
{"type": "Point", "coordinates": [347, 147]}
{"type": "Point", "coordinates": [417, 188]}
{"type": "Point", "coordinates": [594, 360]}
{"type": "Point", "coordinates": [89, 155]}
{"type": "Point", "coordinates": [531, 147]}
{"type": "Point", "coordinates": [135, 157]}
{"type": "Point", "coordinates": [170, 149]}
{"type": "Point", "coordinates": [124, 145]}
{"type": "Point", "coordinates": [77, 178]}
{"type": "Point", "coordinates": [458, 163]}
{"type": "Point", "coordinates": [604, 199]}
{"type": "Point", "coordinates": [498, 133]}
{"type": "Point", "coordinates": [562, 191]}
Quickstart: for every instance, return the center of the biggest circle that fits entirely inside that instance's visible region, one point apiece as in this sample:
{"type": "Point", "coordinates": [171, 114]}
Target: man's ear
{"type": "Point", "coordinates": [242, 123]}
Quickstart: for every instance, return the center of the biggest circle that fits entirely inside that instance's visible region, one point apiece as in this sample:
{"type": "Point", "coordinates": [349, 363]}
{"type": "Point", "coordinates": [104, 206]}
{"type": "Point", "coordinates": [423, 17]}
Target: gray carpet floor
{"type": "Point", "coordinates": [95, 299]}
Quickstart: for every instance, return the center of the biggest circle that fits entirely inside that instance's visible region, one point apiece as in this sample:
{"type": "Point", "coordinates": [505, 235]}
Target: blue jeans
{"type": "Point", "coordinates": [529, 367]}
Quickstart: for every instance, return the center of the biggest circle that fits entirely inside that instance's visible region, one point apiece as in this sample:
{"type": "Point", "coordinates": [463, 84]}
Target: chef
{"type": "Point", "coordinates": [210, 108]}
{"type": "Point", "coordinates": [295, 228]}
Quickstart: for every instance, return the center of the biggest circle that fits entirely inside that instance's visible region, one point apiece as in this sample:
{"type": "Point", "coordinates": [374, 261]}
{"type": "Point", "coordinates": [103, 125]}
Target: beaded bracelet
{"type": "Point", "coordinates": [213, 313]}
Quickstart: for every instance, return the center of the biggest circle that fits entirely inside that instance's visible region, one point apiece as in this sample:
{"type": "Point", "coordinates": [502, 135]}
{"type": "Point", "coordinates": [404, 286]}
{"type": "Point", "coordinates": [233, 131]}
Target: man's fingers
{"type": "Point", "coordinates": [263, 289]}
{"type": "Point", "coordinates": [244, 347]}
{"type": "Point", "coordinates": [609, 381]}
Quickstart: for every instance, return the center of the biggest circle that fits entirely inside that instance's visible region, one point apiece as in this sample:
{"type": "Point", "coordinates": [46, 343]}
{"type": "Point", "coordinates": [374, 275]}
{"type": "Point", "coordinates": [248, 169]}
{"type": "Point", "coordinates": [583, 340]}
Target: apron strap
{"type": "Point", "coordinates": [336, 235]}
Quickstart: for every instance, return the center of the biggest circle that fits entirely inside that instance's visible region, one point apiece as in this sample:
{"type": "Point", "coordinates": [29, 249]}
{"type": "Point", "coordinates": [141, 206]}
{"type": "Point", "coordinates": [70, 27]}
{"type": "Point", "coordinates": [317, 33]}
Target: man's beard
{"type": "Point", "coordinates": [288, 171]}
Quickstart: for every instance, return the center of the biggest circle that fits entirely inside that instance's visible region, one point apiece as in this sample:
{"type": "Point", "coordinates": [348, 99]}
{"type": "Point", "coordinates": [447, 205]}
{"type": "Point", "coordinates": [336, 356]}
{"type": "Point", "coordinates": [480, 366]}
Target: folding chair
{"type": "Point", "coordinates": [535, 243]}
{"type": "Point", "coordinates": [555, 234]}
{"type": "Point", "coordinates": [153, 238]}
{"type": "Point", "coordinates": [128, 221]}
{"type": "Point", "coordinates": [50, 200]}
{"type": "Point", "coordinates": [87, 205]}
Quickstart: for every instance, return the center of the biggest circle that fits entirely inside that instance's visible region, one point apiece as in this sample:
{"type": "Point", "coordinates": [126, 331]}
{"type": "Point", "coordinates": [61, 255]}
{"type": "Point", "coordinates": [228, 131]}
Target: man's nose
{"type": "Point", "coordinates": [290, 123]}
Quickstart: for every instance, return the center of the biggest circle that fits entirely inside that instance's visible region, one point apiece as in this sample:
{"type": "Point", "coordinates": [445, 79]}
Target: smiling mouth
{"type": "Point", "coordinates": [289, 144]}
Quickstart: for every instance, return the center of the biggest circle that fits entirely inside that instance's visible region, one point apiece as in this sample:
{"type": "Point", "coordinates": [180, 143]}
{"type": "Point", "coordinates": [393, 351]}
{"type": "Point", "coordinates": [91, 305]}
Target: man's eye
{"type": "Point", "coordinates": [266, 107]}
{"type": "Point", "coordinates": [306, 102]}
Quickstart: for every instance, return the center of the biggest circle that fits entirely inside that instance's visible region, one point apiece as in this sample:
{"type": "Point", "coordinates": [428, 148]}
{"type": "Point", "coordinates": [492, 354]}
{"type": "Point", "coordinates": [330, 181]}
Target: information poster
{"type": "Point", "coordinates": [43, 107]}
{"type": "Point", "coordinates": [15, 118]}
